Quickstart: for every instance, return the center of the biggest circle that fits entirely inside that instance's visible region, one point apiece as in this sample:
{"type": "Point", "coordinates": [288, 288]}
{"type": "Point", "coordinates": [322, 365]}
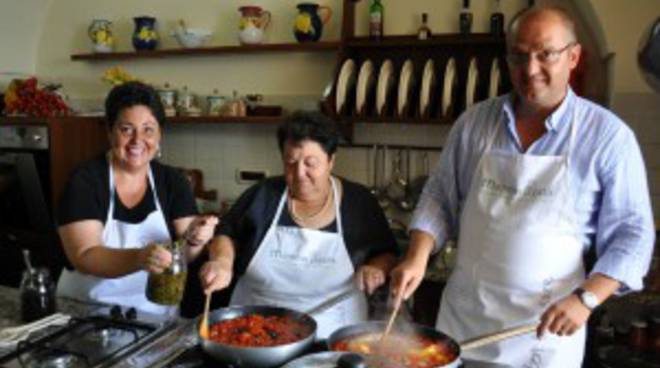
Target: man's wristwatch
{"type": "Point", "coordinates": [589, 299]}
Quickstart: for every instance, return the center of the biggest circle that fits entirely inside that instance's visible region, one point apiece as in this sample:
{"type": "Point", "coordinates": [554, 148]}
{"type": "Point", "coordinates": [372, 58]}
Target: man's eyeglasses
{"type": "Point", "coordinates": [547, 56]}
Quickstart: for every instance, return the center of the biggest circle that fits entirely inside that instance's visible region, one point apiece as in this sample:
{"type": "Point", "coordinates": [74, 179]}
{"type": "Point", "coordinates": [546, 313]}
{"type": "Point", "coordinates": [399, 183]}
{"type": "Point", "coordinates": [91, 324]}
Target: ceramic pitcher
{"type": "Point", "coordinates": [100, 32]}
{"type": "Point", "coordinates": [309, 24]}
{"type": "Point", "coordinates": [253, 23]}
{"type": "Point", "coordinates": [145, 36]}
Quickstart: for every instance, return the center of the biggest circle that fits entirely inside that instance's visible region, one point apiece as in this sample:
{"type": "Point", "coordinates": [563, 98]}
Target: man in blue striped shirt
{"type": "Point", "coordinates": [527, 184]}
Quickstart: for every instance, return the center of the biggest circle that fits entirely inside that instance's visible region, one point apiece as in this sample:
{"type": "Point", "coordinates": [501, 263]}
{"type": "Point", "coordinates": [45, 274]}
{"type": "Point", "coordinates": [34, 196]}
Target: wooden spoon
{"type": "Point", "coordinates": [391, 321]}
{"type": "Point", "coordinates": [204, 324]}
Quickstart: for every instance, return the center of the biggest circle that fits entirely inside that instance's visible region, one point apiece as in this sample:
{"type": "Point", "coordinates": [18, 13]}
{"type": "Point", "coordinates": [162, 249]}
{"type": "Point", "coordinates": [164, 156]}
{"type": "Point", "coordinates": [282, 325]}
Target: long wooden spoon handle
{"type": "Point", "coordinates": [204, 325]}
{"type": "Point", "coordinates": [497, 336]}
{"type": "Point", "coordinates": [391, 321]}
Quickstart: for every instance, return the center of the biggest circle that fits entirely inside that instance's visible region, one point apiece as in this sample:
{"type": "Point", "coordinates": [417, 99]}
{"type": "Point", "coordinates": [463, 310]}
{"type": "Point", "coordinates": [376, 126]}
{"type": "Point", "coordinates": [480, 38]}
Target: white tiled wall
{"type": "Point", "coordinates": [220, 150]}
{"type": "Point", "coordinates": [642, 112]}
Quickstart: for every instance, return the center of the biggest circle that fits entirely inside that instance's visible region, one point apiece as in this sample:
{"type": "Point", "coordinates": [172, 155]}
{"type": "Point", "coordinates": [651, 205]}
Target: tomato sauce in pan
{"type": "Point", "coordinates": [409, 351]}
{"type": "Point", "coordinates": [256, 330]}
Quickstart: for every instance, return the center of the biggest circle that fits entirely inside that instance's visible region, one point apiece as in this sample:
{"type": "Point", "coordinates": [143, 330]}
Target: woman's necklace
{"type": "Point", "coordinates": [300, 218]}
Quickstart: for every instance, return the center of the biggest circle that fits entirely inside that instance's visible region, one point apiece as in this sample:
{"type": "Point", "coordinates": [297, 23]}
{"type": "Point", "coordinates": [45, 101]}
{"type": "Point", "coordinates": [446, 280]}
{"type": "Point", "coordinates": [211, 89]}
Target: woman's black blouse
{"type": "Point", "coordinates": [87, 196]}
{"type": "Point", "coordinates": [366, 231]}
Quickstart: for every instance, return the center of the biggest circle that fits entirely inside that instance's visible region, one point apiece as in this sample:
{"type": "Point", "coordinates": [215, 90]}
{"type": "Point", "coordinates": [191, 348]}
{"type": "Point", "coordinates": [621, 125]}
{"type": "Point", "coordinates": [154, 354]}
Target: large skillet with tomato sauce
{"type": "Point", "coordinates": [416, 346]}
{"type": "Point", "coordinates": [258, 336]}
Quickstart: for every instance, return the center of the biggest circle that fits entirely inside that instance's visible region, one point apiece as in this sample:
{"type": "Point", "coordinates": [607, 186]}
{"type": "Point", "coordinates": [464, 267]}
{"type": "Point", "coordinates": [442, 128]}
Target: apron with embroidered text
{"type": "Point", "coordinates": [518, 252]}
{"type": "Point", "coordinates": [128, 290]}
{"type": "Point", "coordinates": [300, 268]}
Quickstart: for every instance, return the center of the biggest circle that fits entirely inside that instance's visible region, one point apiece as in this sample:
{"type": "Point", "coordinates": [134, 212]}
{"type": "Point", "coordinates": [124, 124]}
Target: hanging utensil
{"type": "Point", "coordinates": [407, 203]}
{"type": "Point", "coordinates": [374, 171]}
{"type": "Point", "coordinates": [383, 199]}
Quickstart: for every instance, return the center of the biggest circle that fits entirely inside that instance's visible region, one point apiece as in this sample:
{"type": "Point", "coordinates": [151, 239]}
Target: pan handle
{"type": "Point", "coordinates": [497, 336]}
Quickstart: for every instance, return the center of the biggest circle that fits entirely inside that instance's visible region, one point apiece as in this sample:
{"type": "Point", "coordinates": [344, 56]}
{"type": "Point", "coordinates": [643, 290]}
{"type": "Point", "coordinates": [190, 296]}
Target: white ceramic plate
{"type": "Point", "coordinates": [428, 83]}
{"type": "Point", "coordinates": [471, 86]}
{"type": "Point", "coordinates": [405, 82]}
{"type": "Point", "coordinates": [384, 85]}
{"type": "Point", "coordinates": [344, 81]}
{"type": "Point", "coordinates": [364, 85]}
{"type": "Point", "coordinates": [448, 85]}
{"type": "Point", "coordinates": [494, 83]}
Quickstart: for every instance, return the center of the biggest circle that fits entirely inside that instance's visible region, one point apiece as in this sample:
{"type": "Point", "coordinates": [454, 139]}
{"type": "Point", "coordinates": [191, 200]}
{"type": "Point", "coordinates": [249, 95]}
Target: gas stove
{"type": "Point", "coordinates": [90, 342]}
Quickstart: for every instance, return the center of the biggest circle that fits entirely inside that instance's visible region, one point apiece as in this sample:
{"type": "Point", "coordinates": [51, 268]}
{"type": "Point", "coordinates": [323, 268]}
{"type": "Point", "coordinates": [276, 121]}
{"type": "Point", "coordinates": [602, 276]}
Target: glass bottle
{"type": "Point", "coordinates": [37, 294]}
{"type": "Point", "coordinates": [424, 32]}
{"type": "Point", "coordinates": [376, 15]}
{"type": "Point", "coordinates": [497, 21]}
{"type": "Point", "coordinates": [465, 18]}
{"type": "Point", "coordinates": [167, 288]}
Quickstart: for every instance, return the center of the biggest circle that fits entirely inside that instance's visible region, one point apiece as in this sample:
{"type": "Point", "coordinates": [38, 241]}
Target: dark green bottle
{"type": "Point", "coordinates": [376, 17]}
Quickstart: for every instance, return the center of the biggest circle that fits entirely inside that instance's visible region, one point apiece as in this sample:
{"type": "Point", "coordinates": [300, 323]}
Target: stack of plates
{"type": "Point", "coordinates": [385, 80]}
{"type": "Point", "coordinates": [428, 85]}
{"type": "Point", "coordinates": [471, 85]}
{"type": "Point", "coordinates": [405, 84]}
{"type": "Point", "coordinates": [345, 83]}
{"type": "Point", "coordinates": [365, 81]}
{"type": "Point", "coordinates": [449, 82]}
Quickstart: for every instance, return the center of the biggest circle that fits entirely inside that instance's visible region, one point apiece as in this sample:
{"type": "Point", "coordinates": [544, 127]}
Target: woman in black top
{"type": "Point", "coordinates": [297, 240]}
{"type": "Point", "coordinates": [118, 208]}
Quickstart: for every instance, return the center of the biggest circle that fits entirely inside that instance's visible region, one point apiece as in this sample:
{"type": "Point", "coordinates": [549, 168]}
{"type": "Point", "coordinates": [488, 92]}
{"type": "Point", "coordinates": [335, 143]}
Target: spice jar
{"type": "Point", "coordinates": [167, 288]}
{"type": "Point", "coordinates": [37, 294]}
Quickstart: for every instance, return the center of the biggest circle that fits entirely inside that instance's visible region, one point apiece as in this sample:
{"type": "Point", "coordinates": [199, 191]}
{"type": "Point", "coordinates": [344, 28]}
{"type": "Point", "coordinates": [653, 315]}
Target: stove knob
{"type": "Point", "coordinates": [115, 312]}
{"type": "Point", "coordinates": [131, 314]}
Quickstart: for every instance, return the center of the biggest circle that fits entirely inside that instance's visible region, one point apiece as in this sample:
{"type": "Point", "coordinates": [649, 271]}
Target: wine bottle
{"type": "Point", "coordinates": [465, 19]}
{"type": "Point", "coordinates": [376, 12]}
{"type": "Point", "coordinates": [497, 21]}
{"type": "Point", "coordinates": [424, 32]}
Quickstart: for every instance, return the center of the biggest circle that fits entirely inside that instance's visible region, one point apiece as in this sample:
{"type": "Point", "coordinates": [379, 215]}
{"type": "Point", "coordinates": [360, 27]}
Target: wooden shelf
{"type": "Point", "coordinates": [22, 120]}
{"type": "Point", "coordinates": [273, 120]}
{"type": "Point", "coordinates": [209, 51]}
{"type": "Point", "coordinates": [399, 120]}
{"type": "Point", "coordinates": [440, 40]}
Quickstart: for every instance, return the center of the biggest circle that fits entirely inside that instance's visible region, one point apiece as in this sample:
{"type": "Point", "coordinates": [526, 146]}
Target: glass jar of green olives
{"type": "Point", "coordinates": [167, 288]}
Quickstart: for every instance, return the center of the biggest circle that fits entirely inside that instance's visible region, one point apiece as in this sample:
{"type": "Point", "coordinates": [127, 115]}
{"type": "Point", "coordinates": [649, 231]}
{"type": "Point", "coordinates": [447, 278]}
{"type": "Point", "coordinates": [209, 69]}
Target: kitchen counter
{"type": "Point", "coordinates": [161, 353]}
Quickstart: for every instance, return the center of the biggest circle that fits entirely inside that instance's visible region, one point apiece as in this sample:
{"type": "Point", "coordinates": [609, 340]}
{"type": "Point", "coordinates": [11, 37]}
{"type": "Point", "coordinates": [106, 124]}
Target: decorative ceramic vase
{"type": "Point", "coordinates": [100, 32]}
{"type": "Point", "coordinates": [145, 36]}
{"type": "Point", "coordinates": [309, 24]}
{"type": "Point", "coordinates": [253, 23]}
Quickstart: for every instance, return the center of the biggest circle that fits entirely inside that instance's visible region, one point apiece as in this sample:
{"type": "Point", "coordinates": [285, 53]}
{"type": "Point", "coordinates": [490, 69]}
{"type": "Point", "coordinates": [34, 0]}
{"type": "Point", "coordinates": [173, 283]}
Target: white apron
{"type": "Point", "coordinates": [300, 268]}
{"type": "Point", "coordinates": [518, 253]}
{"type": "Point", "coordinates": [127, 290]}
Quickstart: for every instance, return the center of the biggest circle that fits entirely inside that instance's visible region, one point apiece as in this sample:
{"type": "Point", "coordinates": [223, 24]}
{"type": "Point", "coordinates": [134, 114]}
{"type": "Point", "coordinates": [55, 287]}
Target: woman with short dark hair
{"type": "Point", "coordinates": [117, 208]}
{"type": "Point", "coordinates": [297, 240]}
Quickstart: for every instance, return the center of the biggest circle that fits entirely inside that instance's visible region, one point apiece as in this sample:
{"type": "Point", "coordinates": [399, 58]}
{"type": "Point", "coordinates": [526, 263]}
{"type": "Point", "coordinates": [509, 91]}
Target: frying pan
{"type": "Point", "coordinates": [438, 337]}
{"type": "Point", "coordinates": [258, 357]}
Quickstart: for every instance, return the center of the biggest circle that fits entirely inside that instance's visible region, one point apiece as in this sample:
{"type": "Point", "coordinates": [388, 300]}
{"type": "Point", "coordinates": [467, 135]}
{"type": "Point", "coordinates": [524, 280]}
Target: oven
{"type": "Point", "coordinates": [26, 221]}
